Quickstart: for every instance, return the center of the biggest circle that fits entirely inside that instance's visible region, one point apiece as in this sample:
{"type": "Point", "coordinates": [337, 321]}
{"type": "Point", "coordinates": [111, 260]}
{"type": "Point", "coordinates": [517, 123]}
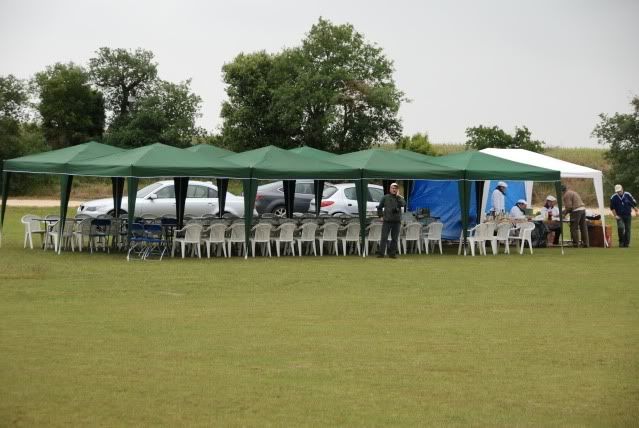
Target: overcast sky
{"type": "Point", "coordinates": [552, 65]}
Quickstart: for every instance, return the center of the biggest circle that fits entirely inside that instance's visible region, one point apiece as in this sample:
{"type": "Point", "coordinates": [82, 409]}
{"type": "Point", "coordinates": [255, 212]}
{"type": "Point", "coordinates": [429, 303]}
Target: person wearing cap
{"type": "Point", "coordinates": [548, 212]}
{"type": "Point", "coordinates": [621, 205]}
{"type": "Point", "coordinates": [518, 211]}
{"type": "Point", "coordinates": [390, 208]}
{"type": "Point", "coordinates": [498, 198]}
{"type": "Point", "coordinates": [574, 205]}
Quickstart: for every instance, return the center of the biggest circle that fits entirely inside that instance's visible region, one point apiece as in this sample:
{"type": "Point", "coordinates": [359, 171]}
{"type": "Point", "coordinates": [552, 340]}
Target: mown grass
{"type": "Point", "coordinates": [422, 340]}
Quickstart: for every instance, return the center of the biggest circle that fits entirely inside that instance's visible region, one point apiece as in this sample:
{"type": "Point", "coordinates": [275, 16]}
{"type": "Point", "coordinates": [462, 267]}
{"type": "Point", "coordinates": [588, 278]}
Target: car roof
{"type": "Point", "coordinates": [345, 185]}
{"type": "Point", "coordinates": [206, 183]}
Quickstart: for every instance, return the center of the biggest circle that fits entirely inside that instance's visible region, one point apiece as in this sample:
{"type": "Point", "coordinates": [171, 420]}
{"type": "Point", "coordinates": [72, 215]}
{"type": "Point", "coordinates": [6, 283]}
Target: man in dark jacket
{"type": "Point", "coordinates": [390, 207]}
{"type": "Point", "coordinates": [621, 205]}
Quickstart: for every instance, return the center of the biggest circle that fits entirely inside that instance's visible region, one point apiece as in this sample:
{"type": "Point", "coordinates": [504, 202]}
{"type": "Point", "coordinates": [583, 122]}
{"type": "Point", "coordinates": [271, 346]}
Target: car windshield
{"type": "Point", "coordinates": [145, 191]}
{"type": "Point", "coordinates": [328, 192]}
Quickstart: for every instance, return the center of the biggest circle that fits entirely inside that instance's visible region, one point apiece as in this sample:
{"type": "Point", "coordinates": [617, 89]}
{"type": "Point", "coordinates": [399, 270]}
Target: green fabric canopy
{"type": "Point", "coordinates": [156, 160]}
{"type": "Point", "coordinates": [208, 149]}
{"type": "Point", "coordinates": [314, 153]}
{"type": "Point", "coordinates": [56, 161]}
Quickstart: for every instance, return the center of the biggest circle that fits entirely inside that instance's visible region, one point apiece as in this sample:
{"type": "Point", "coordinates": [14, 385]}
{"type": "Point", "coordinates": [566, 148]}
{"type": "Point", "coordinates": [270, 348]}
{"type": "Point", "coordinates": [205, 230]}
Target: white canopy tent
{"type": "Point", "coordinates": [567, 169]}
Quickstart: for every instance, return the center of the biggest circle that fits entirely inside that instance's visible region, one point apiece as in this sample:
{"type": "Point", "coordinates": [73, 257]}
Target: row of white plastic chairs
{"type": "Point", "coordinates": [288, 237]}
{"type": "Point", "coordinates": [499, 233]}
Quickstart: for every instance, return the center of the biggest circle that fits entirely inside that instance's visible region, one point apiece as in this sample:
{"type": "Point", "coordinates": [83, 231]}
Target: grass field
{"type": "Point", "coordinates": [92, 340]}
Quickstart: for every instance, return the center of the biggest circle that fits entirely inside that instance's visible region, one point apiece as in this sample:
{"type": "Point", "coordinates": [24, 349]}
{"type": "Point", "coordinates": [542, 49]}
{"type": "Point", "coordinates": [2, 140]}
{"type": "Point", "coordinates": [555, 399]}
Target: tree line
{"type": "Point", "coordinates": [334, 91]}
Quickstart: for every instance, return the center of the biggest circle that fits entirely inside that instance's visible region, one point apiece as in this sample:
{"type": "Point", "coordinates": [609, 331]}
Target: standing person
{"type": "Point", "coordinates": [548, 213]}
{"type": "Point", "coordinates": [390, 207]}
{"type": "Point", "coordinates": [621, 205]}
{"type": "Point", "coordinates": [577, 209]}
{"type": "Point", "coordinates": [499, 200]}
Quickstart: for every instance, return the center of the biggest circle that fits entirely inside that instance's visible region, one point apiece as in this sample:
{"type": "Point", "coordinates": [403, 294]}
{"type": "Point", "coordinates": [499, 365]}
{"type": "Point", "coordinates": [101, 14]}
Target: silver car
{"type": "Point", "coordinates": [159, 199]}
{"type": "Point", "coordinates": [342, 199]}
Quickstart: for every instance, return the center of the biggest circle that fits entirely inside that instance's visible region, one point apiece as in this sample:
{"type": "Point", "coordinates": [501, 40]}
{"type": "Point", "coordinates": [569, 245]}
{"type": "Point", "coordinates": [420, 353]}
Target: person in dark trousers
{"type": "Point", "coordinates": [390, 207]}
{"type": "Point", "coordinates": [574, 206]}
{"type": "Point", "coordinates": [621, 205]}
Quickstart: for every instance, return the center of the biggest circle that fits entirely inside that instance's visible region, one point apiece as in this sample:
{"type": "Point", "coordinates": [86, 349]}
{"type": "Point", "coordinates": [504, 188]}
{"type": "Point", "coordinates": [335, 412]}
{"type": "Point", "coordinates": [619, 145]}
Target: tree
{"type": "Point", "coordinates": [13, 105]}
{"type": "Point", "coordinates": [621, 133]}
{"type": "Point", "coordinates": [418, 143]}
{"type": "Point", "coordinates": [122, 74]}
{"type": "Point", "coordinates": [72, 111]}
{"type": "Point", "coordinates": [334, 92]}
{"type": "Point", "coordinates": [481, 137]}
{"type": "Point", "coordinates": [165, 116]}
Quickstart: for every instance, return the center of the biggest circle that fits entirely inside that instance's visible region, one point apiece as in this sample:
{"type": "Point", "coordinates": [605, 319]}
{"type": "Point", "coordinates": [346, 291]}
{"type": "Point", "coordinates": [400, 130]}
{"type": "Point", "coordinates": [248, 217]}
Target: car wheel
{"type": "Point", "coordinates": [112, 212]}
{"type": "Point", "coordinates": [279, 211]}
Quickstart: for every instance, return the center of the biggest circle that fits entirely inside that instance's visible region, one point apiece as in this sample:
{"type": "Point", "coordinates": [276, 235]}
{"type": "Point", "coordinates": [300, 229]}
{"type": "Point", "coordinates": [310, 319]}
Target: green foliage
{"type": "Point", "coordinates": [122, 73]}
{"type": "Point", "coordinates": [14, 98]}
{"type": "Point", "coordinates": [417, 143]}
{"type": "Point", "coordinates": [72, 111]}
{"type": "Point", "coordinates": [335, 92]}
{"type": "Point", "coordinates": [621, 133]}
{"type": "Point", "coordinates": [481, 137]}
{"type": "Point", "coordinates": [166, 115]}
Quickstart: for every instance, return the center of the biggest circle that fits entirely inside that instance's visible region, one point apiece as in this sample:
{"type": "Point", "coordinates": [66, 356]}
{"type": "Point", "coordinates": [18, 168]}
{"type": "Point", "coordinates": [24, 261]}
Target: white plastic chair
{"type": "Point", "coordinates": [374, 234]}
{"type": "Point", "coordinates": [412, 232]}
{"type": "Point", "coordinates": [329, 234]}
{"type": "Point", "coordinates": [82, 230]}
{"type": "Point", "coordinates": [62, 238]}
{"type": "Point", "coordinates": [477, 236]}
{"type": "Point", "coordinates": [192, 236]}
{"type": "Point", "coordinates": [237, 237]}
{"type": "Point", "coordinates": [32, 227]}
{"type": "Point", "coordinates": [524, 235]}
{"type": "Point", "coordinates": [50, 220]}
{"type": "Point", "coordinates": [434, 234]}
{"type": "Point", "coordinates": [503, 235]}
{"type": "Point", "coordinates": [216, 237]}
{"type": "Point", "coordinates": [352, 235]}
{"type": "Point", "coordinates": [285, 236]}
{"type": "Point", "coordinates": [307, 235]}
{"type": "Point", "coordinates": [262, 235]}
{"type": "Point", "coordinates": [489, 234]}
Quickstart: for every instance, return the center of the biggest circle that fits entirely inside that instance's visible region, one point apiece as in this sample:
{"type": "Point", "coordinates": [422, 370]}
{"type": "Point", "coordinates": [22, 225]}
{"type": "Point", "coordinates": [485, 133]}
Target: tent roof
{"type": "Point", "coordinates": [567, 169]}
{"type": "Point", "coordinates": [386, 164]}
{"type": "Point", "coordinates": [314, 153]}
{"type": "Point", "coordinates": [56, 161]}
{"type": "Point", "coordinates": [482, 166]}
{"type": "Point", "coordinates": [157, 160]}
{"type": "Point", "coordinates": [271, 162]}
{"type": "Point", "coordinates": [210, 150]}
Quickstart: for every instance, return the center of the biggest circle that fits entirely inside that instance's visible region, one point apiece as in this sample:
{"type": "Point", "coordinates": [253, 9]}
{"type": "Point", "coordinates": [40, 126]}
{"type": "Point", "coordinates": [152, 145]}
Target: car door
{"type": "Point", "coordinates": [375, 195]}
{"type": "Point", "coordinates": [164, 203]}
{"type": "Point", "coordinates": [350, 195]}
{"type": "Point", "coordinates": [304, 192]}
{"type": "Point", "coordinates": [198, 202]}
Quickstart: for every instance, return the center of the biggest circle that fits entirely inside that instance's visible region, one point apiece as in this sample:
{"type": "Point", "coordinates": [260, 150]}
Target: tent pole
{"type": "Point", "coordinates": [6, 175]}
{"type": "Point", "coordinates": [289, 197]}
{"type": "Point", "coordinates": [361, 189]}
{"type": "Point", "coordinates": [464, 202]}
{"type": "Point", "coordinates": [318, 190]}
{"type": "Point", "coordinates": [250, 190]}
{"type": "Point", "coordinates": [561, 221]}
{"type": "Point", "coordinates": [222, 187]}
{"type": "Point", "coordinates": [65, 192]}
{"type": "Point", "coordinates": [132, 191]}
{"type": "Point", "coordinates": [117, 189]}
{"type": "Point", "coordinates": [181, 186]}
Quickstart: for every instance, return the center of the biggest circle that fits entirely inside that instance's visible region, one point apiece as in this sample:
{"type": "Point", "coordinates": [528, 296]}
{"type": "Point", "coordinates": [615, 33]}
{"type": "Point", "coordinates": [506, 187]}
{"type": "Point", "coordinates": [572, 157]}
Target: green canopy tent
{"type": "Point", "coordinates": [273, 163]}
{"type": "Point", "coordinates": [213, 152]}
{"type": "Point", "coordinates": [478, 166]}
{"type": "Point", "coordinates": [157, 160]}
{"type": "Point", "coordinates": [318, 185]}
{"type": "Point", "coordinates": [57, 162]}
{"type": "Point", "coordinates": [389, 165]}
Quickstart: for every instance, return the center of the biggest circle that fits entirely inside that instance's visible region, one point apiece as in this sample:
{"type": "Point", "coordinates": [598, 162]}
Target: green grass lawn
{"type": "Point", "coordinates": [92, 340]}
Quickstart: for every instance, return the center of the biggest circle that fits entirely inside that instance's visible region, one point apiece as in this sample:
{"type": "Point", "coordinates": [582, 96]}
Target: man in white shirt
{"type": "Point", "coordinates": [518, 211]}
{"type": "Point", "coordinates": [499, 200]}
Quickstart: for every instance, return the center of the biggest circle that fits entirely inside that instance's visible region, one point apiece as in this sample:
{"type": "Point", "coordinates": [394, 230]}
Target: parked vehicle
{"type": "Point", "coordinates": [342, 199]}
{"type": "Point", "coordinates": [159, 199]}
{"type": "Point", "coordinates": [270, 197]}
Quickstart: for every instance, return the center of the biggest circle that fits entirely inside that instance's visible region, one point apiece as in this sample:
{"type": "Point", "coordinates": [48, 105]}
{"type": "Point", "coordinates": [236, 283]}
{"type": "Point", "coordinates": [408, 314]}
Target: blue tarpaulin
{"type": "Point", "coordinates": [442, 200]}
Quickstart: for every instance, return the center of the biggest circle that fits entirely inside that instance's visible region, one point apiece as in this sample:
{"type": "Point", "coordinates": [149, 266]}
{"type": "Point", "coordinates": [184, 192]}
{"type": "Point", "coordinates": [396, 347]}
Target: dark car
{"type": "Point", "coordinates": [270, 197]}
